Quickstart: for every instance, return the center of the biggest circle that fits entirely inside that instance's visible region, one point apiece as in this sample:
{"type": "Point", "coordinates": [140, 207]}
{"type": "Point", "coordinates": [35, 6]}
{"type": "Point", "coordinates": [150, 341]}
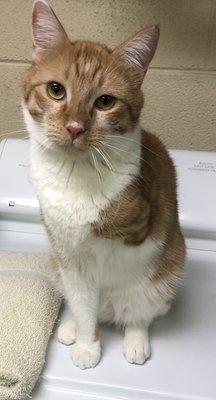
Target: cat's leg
{"type": "Point", "coordinates": [83, 299]}
{"type": "Point", "coordinates": [67, 332]}
{"type": "Point", "coordinates": [136, 347]}
{"type": "Point", "coordinates": [136, 311]}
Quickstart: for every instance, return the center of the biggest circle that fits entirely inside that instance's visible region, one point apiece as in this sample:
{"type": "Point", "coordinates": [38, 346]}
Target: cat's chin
{"type": "Point", "coordinates": [72, 149]}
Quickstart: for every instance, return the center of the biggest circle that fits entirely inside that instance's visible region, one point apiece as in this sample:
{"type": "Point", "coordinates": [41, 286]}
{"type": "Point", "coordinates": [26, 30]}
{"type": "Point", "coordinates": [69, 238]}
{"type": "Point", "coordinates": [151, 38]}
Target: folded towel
{"type": "Point", "coordinates": [29, 306]}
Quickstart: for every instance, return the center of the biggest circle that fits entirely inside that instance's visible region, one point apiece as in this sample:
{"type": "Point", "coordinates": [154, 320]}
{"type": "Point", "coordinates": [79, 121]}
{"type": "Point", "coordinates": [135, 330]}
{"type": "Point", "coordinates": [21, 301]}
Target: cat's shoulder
{"type": "Point", "coordinates": [153, 143]}
{"type": "Point", "coordinates": [155, 152]}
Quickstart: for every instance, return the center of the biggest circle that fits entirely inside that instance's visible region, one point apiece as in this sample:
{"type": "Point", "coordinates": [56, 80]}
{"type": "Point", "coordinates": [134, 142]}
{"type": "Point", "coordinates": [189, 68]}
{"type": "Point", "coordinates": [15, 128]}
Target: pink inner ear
{"type": "Point", "coordinates": [139, 50]}
{"type": "Point", "coordinates": [37, 54]}
{"type": "Point", "coordinates": [47, 30]}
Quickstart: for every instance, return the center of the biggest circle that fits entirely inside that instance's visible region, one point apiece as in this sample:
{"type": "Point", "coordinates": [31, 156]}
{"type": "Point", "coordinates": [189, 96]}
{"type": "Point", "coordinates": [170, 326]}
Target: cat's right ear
{"type": "Point", "coordinates": [47, 30]}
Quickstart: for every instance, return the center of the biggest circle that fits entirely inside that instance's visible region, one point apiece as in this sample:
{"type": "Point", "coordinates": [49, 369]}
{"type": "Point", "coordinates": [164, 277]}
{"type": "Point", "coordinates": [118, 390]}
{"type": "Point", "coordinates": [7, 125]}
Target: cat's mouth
{"type": "Point", "coordinates": [78, 145]}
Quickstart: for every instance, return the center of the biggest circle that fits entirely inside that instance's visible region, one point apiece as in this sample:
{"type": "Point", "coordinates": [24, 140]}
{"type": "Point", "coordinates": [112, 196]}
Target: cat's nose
{"type": "Point", "coordinates": [75, 129]}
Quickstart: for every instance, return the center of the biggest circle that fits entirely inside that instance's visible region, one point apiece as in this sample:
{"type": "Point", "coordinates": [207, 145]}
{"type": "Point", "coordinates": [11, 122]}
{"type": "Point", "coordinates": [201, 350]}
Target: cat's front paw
{"type": "Point", "coordinates": [86, 355]}
{"type": "Point", "coordinates": [67, 332]}
{"type": "Point", "coordinates": [136, 351]}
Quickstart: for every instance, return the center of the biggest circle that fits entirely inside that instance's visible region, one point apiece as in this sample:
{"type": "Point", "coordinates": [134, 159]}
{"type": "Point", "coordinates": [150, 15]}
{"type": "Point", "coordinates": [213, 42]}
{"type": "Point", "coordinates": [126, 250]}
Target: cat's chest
{"type": "Point", "coordinates": [72, 199]}
{"type": "Point", "coordinates": [66, 202]}
{"type": "Point", "coordinates": [68, 220]}
{"type": "Point", "coordinates": [71, 210]}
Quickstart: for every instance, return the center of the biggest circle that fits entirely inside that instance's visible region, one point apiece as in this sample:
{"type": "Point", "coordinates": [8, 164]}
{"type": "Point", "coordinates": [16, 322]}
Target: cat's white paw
{"type": "Point", "coordinates": [67, 333]}
{"type": "Point", "coordinates": [136, 351]}
{"type": "Point", "coordinates": [86, 355]}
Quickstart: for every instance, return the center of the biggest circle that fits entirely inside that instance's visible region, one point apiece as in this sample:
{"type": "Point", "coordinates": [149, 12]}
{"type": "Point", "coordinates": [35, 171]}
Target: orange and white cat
{"type": "Point", "coordinates": [107, 188]}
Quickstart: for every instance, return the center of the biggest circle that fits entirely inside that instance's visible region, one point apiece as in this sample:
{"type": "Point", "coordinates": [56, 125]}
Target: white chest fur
{"type": "Point", "coordinates": [71, 202]}
{"type": "Point", "coordinates": [71, 197]}
{"type": "Point", "coordinates": [72, 193]}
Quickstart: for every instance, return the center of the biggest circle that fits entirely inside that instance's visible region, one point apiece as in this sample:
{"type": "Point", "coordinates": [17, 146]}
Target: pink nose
{"type": "Point", "coordinates": [75, 128]}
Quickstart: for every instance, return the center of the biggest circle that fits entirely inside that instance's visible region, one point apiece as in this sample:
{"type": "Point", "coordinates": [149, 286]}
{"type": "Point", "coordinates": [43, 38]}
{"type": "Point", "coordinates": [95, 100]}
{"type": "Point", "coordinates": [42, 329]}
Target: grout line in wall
{"type": "Point", "coordinates": [11, 61]}
{"type": "Point", "coordinates": [205, 70]}
{"type": "Point", "coordinates": [153, 68]}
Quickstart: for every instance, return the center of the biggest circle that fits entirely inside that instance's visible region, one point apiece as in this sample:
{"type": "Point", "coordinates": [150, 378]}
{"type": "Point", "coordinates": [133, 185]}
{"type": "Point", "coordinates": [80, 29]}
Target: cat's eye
{"type": "Point", "coordinates": [56, 91]}
{"type": "Point", "coordinates": [105, 102]}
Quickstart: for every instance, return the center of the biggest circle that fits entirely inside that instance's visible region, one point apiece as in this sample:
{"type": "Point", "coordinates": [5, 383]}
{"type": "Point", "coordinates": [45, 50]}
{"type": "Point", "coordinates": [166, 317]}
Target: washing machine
{"type": "Point", "coordinates": [183, 361]}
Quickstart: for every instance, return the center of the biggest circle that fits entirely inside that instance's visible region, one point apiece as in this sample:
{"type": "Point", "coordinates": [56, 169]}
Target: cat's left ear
{"type": "Point", "coordinates": [139, 50]}
{"type": "Point", "coordinates": [48, 33]}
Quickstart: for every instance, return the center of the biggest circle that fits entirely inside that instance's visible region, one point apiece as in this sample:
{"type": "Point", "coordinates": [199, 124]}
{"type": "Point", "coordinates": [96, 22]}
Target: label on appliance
{"type": "Point", "coordinates": [204, 166]}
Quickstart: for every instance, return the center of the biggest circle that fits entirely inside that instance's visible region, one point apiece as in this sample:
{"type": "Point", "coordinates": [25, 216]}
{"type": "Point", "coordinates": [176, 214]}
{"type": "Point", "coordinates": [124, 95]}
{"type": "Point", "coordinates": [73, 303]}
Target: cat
{"type": "Point", "coordinates": [107, 188]}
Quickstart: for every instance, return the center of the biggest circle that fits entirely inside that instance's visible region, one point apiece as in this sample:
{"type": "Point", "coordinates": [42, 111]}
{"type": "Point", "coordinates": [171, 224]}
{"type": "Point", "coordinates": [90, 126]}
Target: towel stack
{"type": "Point", "coordinates": [29, 306]}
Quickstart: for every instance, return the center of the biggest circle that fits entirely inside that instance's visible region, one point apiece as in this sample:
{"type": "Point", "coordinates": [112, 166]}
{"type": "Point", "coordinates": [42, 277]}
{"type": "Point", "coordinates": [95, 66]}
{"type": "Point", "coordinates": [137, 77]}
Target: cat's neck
{"type": "Point", "coordinates": [91, 174]}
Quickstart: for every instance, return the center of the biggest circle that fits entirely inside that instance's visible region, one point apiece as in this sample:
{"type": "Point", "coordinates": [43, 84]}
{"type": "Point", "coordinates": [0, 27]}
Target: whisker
{"type": "Point", "coordinates": [5, 121]}
{"type": "Point", "coordinates": [108, 156]}
{"type": "Point", "coordinates": [61, 167]}
{"type": "Point", "coordinates": [93, 158]}
{"type": "Point", "coordinates": [107, 162]}
{"type": "Point", "coordinates": [138, 157]}
{"type": "Point", "coordinates": [37, 145]}
{"type": "Point", "coordinates": [122, 146]}
{"type": "Point", "coordinates": [114, 171]}
{"type": "Point", "coordinates": [116, 148]}
{"type": "Point", "coordinates": [135, 141]}
{"type": "Point", "coordinates": [16, 122]}
{"type": "Point", "coordinates": [12, 126]}
{"type": "Point", "coordinates": [41, 143]}
{"type": "Point", "coordinates": [13, 133]}
{"type": "Point", "coordinates": [22, 137]}
{"type": "Point", "coordinates": [68, 180]}
{"type": "Point", "coordinates": [96, 167]}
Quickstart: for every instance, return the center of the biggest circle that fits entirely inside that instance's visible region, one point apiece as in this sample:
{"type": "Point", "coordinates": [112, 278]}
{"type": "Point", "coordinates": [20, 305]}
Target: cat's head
{"type": "Point", "coordinates": [79, 94]}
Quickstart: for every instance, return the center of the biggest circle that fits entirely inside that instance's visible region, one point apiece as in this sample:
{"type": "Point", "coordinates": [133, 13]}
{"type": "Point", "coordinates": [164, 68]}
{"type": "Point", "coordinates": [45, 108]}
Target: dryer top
{"type": "Point", "coordinates": [196, 187]}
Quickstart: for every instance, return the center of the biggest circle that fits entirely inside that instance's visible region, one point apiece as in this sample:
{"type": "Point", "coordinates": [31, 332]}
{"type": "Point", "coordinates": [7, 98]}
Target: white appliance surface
{"type": "Point", "coordinates": [17, 196]}
{"type": "Point", "coordinates": [183, 361]}
{"type": "Point", "coordinates": [196, 172]}
{"type": "Point", "coordinates": [196, 176]}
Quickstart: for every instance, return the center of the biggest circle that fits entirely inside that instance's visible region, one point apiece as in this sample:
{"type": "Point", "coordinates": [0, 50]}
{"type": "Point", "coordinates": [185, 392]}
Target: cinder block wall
{"type": "Point", "coordinates": [180, 87]}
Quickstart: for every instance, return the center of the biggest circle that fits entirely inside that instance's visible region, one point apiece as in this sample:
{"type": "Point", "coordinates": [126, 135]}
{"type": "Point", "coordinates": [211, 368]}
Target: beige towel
{"type": "Point", "coordinates": [28, 309]}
